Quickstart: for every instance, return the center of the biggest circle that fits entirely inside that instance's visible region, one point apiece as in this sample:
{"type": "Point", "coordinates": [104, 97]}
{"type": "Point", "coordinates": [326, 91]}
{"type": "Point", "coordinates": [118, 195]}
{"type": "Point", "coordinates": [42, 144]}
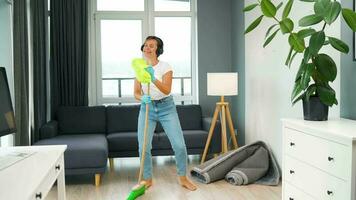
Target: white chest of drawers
{"type": "Point", "coordinates": [319, 160]}
{"type": "Point", "coordinates": [33, 177]}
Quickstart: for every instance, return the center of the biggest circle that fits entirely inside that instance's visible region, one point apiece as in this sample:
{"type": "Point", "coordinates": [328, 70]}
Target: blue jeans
{"type": "Point", "coordinates": [165, 112]}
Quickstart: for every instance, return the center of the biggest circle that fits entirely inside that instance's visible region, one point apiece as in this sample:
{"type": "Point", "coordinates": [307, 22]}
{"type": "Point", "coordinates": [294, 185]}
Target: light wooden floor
{"type": "Point", "coordinates": [117, 184]}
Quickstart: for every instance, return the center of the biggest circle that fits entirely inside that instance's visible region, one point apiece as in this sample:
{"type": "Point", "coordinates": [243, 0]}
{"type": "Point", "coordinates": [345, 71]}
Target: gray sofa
{"type": "Point", "coordinates": [94, 134]}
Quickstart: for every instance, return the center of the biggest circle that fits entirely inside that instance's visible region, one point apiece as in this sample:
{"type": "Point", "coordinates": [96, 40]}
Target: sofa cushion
{"type": "Point", "coordinates": [83, 151]}
{"type": "Point", "coordinates": [122, 118]}
{"type": "Point", "coordinates": [81, 119]}
{"type": "Point", "coordinates": [192, 138]}
{"type": "Point", "coordinates": [126, 141]}
{"type": "Point", "coordinates": [190, 117]}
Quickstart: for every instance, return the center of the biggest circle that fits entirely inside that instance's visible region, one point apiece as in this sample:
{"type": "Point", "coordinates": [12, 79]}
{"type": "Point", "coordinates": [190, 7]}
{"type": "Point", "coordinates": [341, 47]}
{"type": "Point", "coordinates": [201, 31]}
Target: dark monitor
{"type": "Point", "coordinates": [7, 119]}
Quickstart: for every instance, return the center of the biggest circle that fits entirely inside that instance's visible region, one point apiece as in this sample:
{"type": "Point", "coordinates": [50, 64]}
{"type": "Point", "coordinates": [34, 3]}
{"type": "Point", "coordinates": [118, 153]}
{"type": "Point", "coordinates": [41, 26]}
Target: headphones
{"type": "Point", "coordinates": [159, 41]}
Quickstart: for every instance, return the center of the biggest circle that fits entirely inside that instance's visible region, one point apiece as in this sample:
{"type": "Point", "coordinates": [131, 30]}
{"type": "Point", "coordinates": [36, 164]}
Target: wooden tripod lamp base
{"type": "Point", "coordinates": [222, 107]}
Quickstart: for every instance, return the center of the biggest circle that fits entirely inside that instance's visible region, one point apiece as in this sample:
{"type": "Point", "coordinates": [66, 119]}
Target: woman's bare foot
{"type": "Point", "coordinates": [185, 182]}
{"type": "Point", "coordinates": [147, 183]}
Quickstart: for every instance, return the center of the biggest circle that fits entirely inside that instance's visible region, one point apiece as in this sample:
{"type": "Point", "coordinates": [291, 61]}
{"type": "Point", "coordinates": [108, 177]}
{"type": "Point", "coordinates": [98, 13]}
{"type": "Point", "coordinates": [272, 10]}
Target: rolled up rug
{"type": "Point", "coordinates": [217, 168]}
{"type": "Point", "coordinates": [251, 169]}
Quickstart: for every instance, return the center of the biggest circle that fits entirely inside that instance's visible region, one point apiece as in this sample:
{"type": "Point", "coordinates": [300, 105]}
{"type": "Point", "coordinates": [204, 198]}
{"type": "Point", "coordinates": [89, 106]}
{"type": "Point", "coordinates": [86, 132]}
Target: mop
{"type": "Point", "coordinates": [142, 76]}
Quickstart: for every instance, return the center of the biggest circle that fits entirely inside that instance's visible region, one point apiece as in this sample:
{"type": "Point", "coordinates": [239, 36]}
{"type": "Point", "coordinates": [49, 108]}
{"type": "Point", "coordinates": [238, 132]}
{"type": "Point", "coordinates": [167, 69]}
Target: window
{"type": "Point", "coordinates": [120, 29]}
{"type": "Point", "coordinates": [172, 5]}
{"type": "Point", "coordinates": [120, 5]}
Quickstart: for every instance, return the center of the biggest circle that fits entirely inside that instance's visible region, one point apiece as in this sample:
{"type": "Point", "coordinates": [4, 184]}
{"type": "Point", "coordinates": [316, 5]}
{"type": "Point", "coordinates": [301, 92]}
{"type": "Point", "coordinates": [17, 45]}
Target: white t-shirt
{"type": "Point", "coordinates": [160, 69]}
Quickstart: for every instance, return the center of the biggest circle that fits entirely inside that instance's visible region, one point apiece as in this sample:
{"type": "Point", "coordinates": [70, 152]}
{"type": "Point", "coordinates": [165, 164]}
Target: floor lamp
{"type": "Point", "coordinates": [221, 84]}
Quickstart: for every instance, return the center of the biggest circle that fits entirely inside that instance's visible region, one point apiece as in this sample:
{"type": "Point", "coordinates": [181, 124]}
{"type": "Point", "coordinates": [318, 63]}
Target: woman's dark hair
{"type": "Point", "coordinates": [159, 41]}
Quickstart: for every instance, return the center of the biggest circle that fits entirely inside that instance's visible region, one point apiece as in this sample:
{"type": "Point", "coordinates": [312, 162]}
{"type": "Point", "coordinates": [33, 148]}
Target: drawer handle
{"type": "Point", "coordinates": [292, 144]}
{"type": "Point", "coordinates": [329, 192]}
{"type": "Point", "coordinates": [291, 171]}
{"type": "Point", "coordinates": [58, 167]}
{"type": "Point", "coordinates": [330, 158]}
{"type": "Point", "coordinates": [39, 195]}
{"type": "Point", "coordinates": [290, 198]}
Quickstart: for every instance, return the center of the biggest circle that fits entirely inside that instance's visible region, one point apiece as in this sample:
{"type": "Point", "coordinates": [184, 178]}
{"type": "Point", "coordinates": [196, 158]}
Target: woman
{"type": "Point", "coordinates": [162, 109]}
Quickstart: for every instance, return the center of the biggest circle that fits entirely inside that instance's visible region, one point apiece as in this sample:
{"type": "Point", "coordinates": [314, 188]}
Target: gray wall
{"type": "Point", "coordinates": [5, 40]}
{"type": "Point", "coordinates": [6, 54]}
{"type": "Point", "coordinates": [348, 72]}
{"type": "Point", "coordinates": [238, 65]}
{"type": "Point", "coordinates": [214, 46]}
{"type": "Point", "coordinates": [221, 49]}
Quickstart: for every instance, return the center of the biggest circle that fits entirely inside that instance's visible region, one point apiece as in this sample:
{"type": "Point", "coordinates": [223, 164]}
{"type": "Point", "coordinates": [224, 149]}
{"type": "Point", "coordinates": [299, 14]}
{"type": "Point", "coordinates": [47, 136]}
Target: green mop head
{"type": "Point", "coordinates": [136, 192]}
{"type": "Point", "coordinates": [139, 65]}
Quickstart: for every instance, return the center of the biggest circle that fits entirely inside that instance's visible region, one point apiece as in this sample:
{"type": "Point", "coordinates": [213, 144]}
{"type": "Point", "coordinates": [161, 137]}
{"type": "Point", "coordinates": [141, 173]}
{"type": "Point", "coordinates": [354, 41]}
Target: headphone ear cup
{"type": "Point", "coordinates": [159, 51]}
{"type": "Point", "coordinates": [142, 47]}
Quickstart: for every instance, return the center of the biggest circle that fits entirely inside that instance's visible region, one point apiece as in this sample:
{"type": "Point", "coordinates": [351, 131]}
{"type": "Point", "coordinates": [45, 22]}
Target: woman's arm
{"type": "Point", "coordinates": [137, 90]}
{"type": "Point", "coordinates": [165, 85]}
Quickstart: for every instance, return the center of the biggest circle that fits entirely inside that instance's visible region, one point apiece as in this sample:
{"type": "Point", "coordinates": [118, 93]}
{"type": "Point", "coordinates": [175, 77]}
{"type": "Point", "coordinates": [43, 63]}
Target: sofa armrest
{"type": "Point", "coordinates": [49, 130]}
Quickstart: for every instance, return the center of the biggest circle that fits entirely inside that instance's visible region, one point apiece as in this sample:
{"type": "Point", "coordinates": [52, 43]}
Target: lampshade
{"type": "Point", "coordinates": [222, 84]}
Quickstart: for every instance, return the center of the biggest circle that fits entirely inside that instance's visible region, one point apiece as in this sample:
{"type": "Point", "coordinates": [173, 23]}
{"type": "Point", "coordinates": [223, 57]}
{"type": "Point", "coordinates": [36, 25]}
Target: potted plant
{"type": "Point", "coordinates": [316, 70]}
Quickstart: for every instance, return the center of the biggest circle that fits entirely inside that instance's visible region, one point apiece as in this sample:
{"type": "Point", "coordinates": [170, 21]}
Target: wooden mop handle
{"type": "Point", "coordinates": [144, 139]}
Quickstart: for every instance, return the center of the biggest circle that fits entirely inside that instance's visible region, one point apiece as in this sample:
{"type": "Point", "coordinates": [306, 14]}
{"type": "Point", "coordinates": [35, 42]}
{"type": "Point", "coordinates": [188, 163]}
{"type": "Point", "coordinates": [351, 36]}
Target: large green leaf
{"type": "Point", "coordinates": [326, 67]}
{"type": "Point", "coordinates": [328, 86]}
{"type": "Point", "coordinates": [270, 29]}
{"type": "Point", "coordinates": [306, 95]}
{"type": "Point", "coordinates": [317, 77]}
{"type": "Point", "coordinates": [268, 9]}
{"type": "Point", "coordinates": [289, 56]}
{"type": "Point", "coordinates": [333, 12]}
{"type": "Point", "coordinates": [306, 32]}
{"type": "Point", "coordinates": [286, 25]}
{"type": "Point", "coordinates": [270, 38]}
{"type": "Point", "coordinates": [310, 20]}
{"type": "Point", "coordinates": [307, 55]}
{"type": "Point", "coordinates": [306, 74]}
{"type": "Point", "coordinates": [339, 45]}
{"type": "Point", "coordinates": [254, 24]}
{"type": "Point", "coordinates": [296, 90]}
{"type": "Point", "coordinates": [279, 6]}
{"type": "Point", "coordinates": [300, 71]}
{"type": "Point", "coordinates": [287, 9]}
{"type": "Point", "coordinates": [310, 91]}
{"type": "Point", "coordinates": [297, 43]}
{"type": "Point", "coordinates": [326, 95]}
{"type": "Point", "coordinates": [332, 91]}
{"type": "Point", "coordinates": [298, 99]}
{"type": "Point", "coordinates": [250, 7]}
{"type": "Point", "coordinates": [316, 42]}
{"type": "Point", "coordinates": [302, 78]}
{"type": "Point", "coordinates": [292, 58]}
{"type": "Point", "coordinates": [322, 7]}
{"type": "Point", "coordinates": [350, 18]}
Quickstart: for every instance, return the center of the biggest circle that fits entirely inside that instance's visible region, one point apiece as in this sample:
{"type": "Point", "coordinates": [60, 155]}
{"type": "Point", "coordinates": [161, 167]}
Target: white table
{"type": "Point", "coordinates": [34, 176]}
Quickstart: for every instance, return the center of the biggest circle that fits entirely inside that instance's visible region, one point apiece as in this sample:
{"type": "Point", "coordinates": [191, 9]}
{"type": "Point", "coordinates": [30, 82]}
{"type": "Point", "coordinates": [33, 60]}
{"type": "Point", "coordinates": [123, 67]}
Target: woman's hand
{"type": "Point", "coordinates": [151, 71]}
{"type": "Point", "coordinates": [145, 99]}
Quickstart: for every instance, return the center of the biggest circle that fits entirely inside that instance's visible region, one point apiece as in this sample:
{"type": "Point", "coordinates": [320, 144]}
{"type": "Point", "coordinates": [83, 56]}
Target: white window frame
{"type": "Point", "coordinates": [95, 79]}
